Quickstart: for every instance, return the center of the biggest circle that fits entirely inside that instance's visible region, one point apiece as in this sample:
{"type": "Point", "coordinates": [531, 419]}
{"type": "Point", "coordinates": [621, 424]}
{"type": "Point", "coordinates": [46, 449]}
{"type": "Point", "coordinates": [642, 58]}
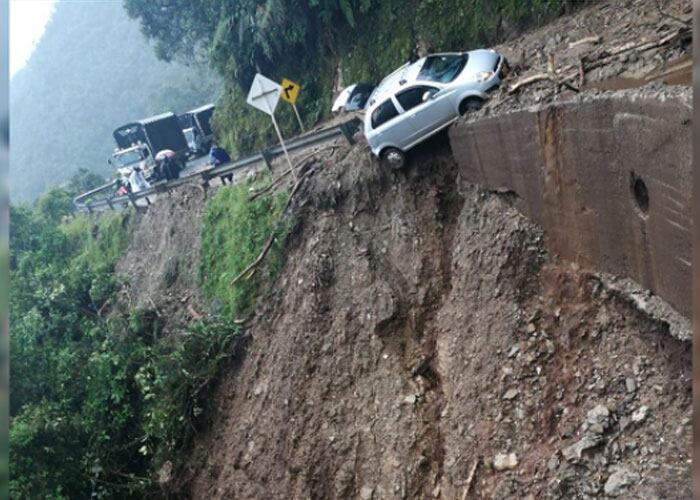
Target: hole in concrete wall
{"type": "Point", "coordinates": [640, 193]}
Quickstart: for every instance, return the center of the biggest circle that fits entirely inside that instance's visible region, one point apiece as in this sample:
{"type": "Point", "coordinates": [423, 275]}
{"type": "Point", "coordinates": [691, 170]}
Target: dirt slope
{"type": "Point", "coordinates": [423, 343]}
{"type": "Point", "coordinates": [420, 328]}
{"type": "Point", "coordinates": [607, 45]}
{"type": "Point", "coordinates": [162, 263]}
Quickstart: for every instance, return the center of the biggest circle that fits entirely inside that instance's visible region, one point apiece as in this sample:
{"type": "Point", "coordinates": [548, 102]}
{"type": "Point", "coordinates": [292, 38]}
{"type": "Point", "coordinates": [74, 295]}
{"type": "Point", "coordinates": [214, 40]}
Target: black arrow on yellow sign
{"type": "Point", "coordinates": [287, 90]}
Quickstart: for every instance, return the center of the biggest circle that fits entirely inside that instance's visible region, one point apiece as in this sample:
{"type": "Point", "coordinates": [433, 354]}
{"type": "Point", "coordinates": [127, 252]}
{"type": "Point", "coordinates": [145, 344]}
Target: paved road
{"type": "Point", "coordinates": [196, 165]}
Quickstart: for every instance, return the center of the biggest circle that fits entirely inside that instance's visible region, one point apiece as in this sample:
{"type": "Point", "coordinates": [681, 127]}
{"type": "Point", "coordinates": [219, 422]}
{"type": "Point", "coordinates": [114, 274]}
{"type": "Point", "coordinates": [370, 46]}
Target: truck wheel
{"type": "Point", "coordinates": [469, 105]}
{"type": "Point", "coordinates": [392, 157]}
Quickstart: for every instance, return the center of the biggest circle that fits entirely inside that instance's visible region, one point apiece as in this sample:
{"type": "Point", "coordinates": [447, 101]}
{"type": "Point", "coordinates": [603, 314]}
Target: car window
{"type": "Point", "coordinates": [442, 68]}
{"type": "Point", "coordinates": [410, 98]}
{"type": "Point", "coordinates": [384, 112]}
{"type": "Point", "coordinates": [358, 98]}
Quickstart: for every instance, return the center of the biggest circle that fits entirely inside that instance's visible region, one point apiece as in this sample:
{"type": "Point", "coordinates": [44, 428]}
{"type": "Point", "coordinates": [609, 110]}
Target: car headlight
{"type": "Point", "coordinates": [482, 76]}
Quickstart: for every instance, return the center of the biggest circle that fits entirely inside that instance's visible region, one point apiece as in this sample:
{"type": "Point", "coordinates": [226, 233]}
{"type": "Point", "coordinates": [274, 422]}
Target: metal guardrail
{"type": "Point", "coordinates": [110, 201]}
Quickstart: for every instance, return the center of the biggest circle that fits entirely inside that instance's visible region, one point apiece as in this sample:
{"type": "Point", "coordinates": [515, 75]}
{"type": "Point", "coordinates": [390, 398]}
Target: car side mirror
{"type": "Point", "coordinates": [427, 95]}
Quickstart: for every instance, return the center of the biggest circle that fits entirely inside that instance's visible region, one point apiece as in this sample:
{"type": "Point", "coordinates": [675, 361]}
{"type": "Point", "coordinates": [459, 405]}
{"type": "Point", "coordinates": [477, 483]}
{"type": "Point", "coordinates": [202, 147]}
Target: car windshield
{"type": "Point", "coordinates": [359, 97]}
{"type": "Point", "coordinates": [128, 157]}
{"type": "Point", "coordinates": [442, 69]}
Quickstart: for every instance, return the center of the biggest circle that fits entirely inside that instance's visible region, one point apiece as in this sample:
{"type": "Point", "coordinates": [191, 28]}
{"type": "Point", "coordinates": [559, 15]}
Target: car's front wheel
{"type": "Point", "coordinates": [469, 105]}
{"type": "Point", "coordinates": [393, 157]}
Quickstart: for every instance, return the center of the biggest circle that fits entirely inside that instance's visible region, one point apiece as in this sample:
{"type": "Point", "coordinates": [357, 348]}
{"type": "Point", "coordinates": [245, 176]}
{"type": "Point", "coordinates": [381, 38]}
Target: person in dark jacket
{"type": "Point", "coordinates": [218, 156]}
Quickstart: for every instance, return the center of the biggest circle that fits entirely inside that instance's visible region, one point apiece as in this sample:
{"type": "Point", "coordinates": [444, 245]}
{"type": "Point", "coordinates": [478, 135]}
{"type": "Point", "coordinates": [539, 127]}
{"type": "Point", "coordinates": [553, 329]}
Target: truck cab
{"type": "Point", "coordinates": [139, 142]}
{"type": "Point", "coordinates": [124, 160]}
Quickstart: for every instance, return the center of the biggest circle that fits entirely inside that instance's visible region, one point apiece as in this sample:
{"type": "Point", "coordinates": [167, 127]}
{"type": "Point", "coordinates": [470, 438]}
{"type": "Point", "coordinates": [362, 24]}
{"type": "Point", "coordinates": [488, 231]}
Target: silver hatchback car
{"type": "Point", "coordinates": [419, 99]}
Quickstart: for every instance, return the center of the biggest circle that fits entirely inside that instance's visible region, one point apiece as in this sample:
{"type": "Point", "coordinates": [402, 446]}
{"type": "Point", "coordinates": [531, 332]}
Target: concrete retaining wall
{"type": "Point", "coordinates": [608, 178]}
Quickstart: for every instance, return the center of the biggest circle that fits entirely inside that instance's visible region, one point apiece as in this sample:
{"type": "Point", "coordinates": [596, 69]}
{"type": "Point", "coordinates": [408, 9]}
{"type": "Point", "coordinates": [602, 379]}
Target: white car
{"type": "Point", "coordinates": [419, 99]}
{"type": "Point", "coordinates": [353, 98]}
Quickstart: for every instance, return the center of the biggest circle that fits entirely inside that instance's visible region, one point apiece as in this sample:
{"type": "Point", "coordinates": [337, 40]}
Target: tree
{"type": "Point", "coordinates": [55, 204]}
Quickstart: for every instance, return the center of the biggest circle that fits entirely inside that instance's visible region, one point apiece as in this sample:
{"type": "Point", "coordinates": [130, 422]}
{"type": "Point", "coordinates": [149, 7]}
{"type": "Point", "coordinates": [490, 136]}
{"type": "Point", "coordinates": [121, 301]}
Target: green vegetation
{"type": "Point", "coordinates": [91, 72]}
{"type": "Point", "coordinates": [102, 395]}
{"type": "Point", "coordinates": [67, 380]}
{"type": "Point", "coordinates": [313, 41]}
{"type": "Point", "coordinates": [233, 234]}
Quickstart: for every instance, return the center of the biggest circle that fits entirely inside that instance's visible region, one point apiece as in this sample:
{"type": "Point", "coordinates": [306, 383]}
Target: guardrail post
{"type": "Point", "coordinates": [267, 158]}
{"type": "Point", "coordinates": [132, 198]}
{"type": "Point", "coordinates": [89, 208]}
{"type": "Point", "coordinates": [345, 129]}
{"type": "Point", "coordinates": [109, 202]}
{"type": "Point", "coordinates": [205, 180]}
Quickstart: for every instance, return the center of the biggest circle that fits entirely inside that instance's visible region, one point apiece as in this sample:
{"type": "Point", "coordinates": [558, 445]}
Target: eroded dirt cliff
{"type": "Point", "coordinates": [423, 340]}
{"type": "Point", "coordinates": [421, 343]}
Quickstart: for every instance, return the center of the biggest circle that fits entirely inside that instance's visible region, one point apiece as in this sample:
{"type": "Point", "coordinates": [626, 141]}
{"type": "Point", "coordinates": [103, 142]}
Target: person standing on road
{"type": "Point", "coordinates": [137, 181]}
{"type": "Point", "coordinates": [218, 156]}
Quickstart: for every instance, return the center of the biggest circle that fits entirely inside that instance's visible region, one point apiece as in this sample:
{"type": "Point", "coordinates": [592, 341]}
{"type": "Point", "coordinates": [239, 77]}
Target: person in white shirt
{"type": "Point", "coordinates": [137, 181]}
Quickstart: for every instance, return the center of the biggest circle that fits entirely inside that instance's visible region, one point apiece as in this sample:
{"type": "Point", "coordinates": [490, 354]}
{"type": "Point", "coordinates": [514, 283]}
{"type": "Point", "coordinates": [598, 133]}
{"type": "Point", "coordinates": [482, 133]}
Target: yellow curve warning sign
{"type": "Point", "coordinates": [290, 91]}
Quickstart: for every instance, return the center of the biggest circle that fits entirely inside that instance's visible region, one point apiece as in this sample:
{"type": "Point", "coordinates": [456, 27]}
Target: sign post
{"type": "Point", "coordinates": [264, 95]}
{"type": "Point", "coordinates": [290, 92]}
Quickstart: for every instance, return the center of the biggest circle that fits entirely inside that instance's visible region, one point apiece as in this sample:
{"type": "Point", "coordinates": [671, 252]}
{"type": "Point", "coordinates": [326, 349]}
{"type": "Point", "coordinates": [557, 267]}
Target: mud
{"type": "Point", "coordinates": [678, 72]}
{"type": "Point", "coordinates": [161, 266]}
{"type": "Point", "coordinates": [408, 308]}
{"type": "Point", "coordinates": [617, 24]}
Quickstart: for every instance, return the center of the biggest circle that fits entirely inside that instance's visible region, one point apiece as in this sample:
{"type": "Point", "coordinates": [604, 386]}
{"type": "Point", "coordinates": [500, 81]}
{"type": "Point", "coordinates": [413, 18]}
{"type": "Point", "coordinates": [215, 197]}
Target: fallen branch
{"type": "Point", "coordinates": [545, 76]}
{"type": "Point", "coordinates": [276, 181]}
{"type": "Point", "coordinates": [671, 70]}
{"type": "Point", "coordinates": [550, 64]}
{"type": "Point", "coordinates": [600, 59]}
{"type": "Point", "coordinates": [252, 265]}
{"type": "Point", "coordinates": [194, 313]}
{"type": "Point", "coordinates": [589, 39]}
{"type": "Point", "coordinates": [565, 69]}
{"type": "Point", "coordinates": [568, 85]}
{"type": "Point", "coordinates": [155, 308]}
{"type": "Point", "coordinates": [99, 311]}
{"type": "Point", "coordinates": [670, 16]}
{"type": "Point", "coordinates": [528, 80]}
{"type": "Point", "coordinates": [470, 479]}
{"type": "Point", "coordinates": [249, 271]}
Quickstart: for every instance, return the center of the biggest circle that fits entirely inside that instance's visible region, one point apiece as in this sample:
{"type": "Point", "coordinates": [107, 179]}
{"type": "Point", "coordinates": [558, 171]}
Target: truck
{"type": "Point", "coordinates": [139, 142]}
{"type": "Point", "coordinates": [196, 126]}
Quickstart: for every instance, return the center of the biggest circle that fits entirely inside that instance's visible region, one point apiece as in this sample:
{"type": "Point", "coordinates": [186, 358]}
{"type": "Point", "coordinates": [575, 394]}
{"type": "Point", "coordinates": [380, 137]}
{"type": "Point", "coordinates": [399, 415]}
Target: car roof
{"type": "Point", "coordinates": [403, 76]}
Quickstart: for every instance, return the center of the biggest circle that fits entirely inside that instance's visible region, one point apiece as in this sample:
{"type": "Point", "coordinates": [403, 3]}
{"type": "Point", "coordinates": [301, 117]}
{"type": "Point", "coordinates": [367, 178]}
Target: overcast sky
{"type": "Point", "coordinates": [28, 19]}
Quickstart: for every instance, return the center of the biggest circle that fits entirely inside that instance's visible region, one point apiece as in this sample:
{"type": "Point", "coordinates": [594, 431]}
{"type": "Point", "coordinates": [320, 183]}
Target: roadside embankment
{"type": "Point", "coordinates": [606, 175]}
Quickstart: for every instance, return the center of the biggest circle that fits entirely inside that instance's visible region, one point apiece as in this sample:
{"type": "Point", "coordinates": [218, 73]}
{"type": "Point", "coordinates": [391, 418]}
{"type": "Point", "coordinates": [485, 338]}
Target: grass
{"type": "Point", "coordinates": [234, 232]}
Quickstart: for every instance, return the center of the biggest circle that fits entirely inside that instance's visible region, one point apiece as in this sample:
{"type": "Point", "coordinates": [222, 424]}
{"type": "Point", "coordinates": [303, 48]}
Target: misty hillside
{"type": "Point", "coordinates": [92, 71]}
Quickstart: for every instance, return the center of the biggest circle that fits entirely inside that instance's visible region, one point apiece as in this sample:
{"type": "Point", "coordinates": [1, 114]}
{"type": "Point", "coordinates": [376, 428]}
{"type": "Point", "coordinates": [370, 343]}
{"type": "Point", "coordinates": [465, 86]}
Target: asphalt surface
{"type": "Point", "coordinates": [196, 164]}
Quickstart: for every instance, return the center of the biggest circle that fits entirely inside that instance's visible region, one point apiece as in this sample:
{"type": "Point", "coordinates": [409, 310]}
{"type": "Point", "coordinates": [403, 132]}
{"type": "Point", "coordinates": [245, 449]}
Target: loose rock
{"type": "Point", "coordinates": [640, 415]}
{"type": "Point", "coordinates": [504, 462]}
{"type": "Point", "coordinates": [619, 480]}
{"type": "Point", "coordinates": [573, 452]}
{"type": "Point", "coordinates": [366, 492]}
{"type": "Point", "coordinates": [511, 394]}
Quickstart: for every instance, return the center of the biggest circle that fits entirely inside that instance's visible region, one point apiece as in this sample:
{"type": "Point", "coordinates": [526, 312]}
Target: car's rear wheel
{"type": "Point", "coordinates": [393, 158]}
{"type": "Point", "coordinates": [470, 104]}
